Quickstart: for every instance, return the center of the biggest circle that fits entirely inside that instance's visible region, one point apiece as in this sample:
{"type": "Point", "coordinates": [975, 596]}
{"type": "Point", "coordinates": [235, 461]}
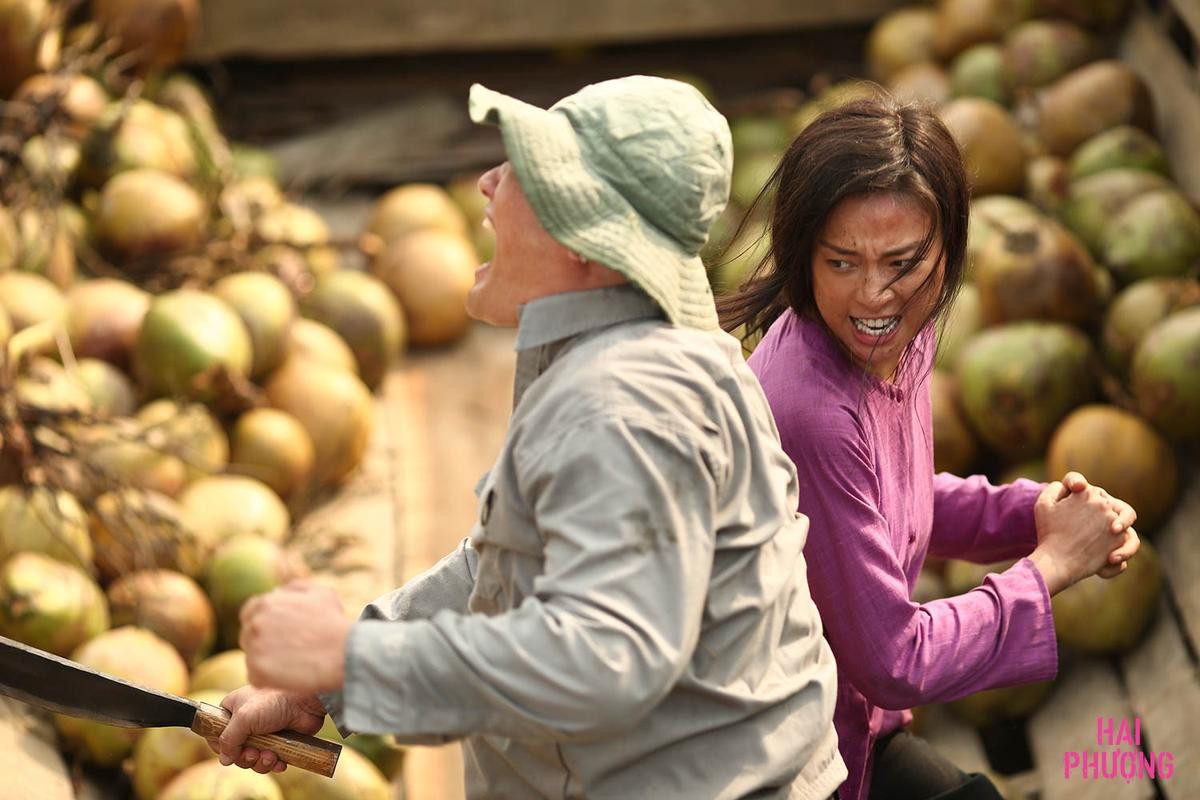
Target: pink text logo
{"type": "Point", "coordinates": [1116, 764]}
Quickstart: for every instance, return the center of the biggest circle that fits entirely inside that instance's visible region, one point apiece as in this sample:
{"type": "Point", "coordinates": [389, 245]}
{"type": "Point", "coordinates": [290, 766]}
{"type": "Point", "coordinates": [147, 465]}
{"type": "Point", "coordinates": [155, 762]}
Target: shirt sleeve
{"type": "Point", "coordinates": [625, 513]}
{"type": "Point", "coordinates": [976, 521]}
{"type": "Point", "coordinates": [895, 652]}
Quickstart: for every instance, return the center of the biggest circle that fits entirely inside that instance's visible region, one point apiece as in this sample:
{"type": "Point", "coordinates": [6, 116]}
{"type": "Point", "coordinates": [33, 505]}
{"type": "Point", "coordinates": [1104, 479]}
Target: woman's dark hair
{"type": "Point", "coordinates": [870, 145]}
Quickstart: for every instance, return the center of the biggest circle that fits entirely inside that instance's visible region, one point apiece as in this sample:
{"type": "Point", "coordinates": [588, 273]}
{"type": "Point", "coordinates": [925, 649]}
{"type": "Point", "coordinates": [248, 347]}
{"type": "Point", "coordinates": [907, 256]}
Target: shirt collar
{"type": "Point", "coordinates": [566, 315]}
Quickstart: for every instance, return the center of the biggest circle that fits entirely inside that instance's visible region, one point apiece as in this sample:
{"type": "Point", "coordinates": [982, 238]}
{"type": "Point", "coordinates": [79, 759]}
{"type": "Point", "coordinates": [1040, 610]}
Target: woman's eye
{"type": "Point", "coordinates": [905, 263]}
{"type": "Point", "coordinates": [839, 264]}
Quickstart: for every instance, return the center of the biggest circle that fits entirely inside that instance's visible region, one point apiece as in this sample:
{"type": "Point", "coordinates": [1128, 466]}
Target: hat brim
{"type": "Point", "coordinates": [587, 215]}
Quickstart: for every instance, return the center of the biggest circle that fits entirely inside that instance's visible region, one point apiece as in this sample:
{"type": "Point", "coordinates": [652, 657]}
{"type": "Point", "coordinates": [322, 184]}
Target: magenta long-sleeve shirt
{"type": "Point", "coordinates": [864, 452]}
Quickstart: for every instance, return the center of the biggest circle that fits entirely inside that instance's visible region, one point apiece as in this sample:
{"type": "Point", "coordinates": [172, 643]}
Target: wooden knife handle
{"type": "Point", "coordinates": [294, 749]}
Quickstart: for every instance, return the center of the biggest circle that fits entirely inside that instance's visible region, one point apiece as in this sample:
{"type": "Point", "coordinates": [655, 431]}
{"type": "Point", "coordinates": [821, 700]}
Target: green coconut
{"type": "Point", "coordinates": [759, 133]}
{"type": "Point", "coordinates": [992, 145]}
{"type": "Point", "coordinates": [1122, 146]}
{"type": "Point", "coordinates": [1095, 201]}
{"type": "Point", "coordinates": [309, 340]}
{"type": "Point", "coordinates": [430, 272]}
{"type": "Point", "coordinates": [169, 604]}
{"type": "Point", "coordinates": [1002, 704]}
{"type": "Point", "coordinates": [208, 780]}
{"type": "Point", "coordinates": [961, 321]}
{"type": "Point", "coordinates": [272, 446]}
{"type": "Point", "coordinates": [225, 506]}
{"type": "Point", "coordinates": [356, 778]}
{"type": "Point", "coordinates": [899, 39]}
{"type": "Point", "coordinates": [44, 520]}
{"type": "Point", "coordinates": [954, 447]}
{"type": "Point", "coordinates": [1040, 51]}
{"type": "Point", "coordinates": [1019, 380]}
{"type": "Point", "coordinates": [1122, 453]}
{"type": "Point", "coordinates": [963, 576]}
{"type": "Point", "coordinates": [981, 71]}
{"type": "Point", "coordinates": [415, 206]}
{"type": "Point", "coordinates": [334, 406]}
{"type": "Point", "coordinates": [137, 656]}
{"type": "Point", "coordinates": [382, 751]}
{"type": "Point", "coordinates": [243, 567]}
{"type": "Point", "coordinates": [1033, 470]}
{"type": "Point", "coordinates": [1157, 234]}
{"type": "Point", "coordinates": [147, 213]}
{"type": "Point", "coordinates": [364, 312]}
{"type": "Point", "coordinates": [137, 529]}
{"type": "Point", "coordinates": [184, 334]}
{"type": "Point", "coordinates": [22, 25]}
{"type": "Point", "coordinates": [1107, 617]}
{"type": "Point", "coordinates": [990, 217]}
{"type": "Point", "coordinates": [925, 83]}
{"type": "Point", "coordinates": [189, 432]}
{"type": "Point", "coordinates": [1092, 99]}
{"type": "Point", "coordinates": [162, 753]}
{"type": "Point", "coordinates": [267, 308]}
{"type": "Point", "coordinates": [1035, 268]}
{"type": "Point", "coordinates": [750, 175]}
{"type": "Point", "coordinates": [1047, 183]}
{"type": "Point", "coordinates": [111, 392]}
{"type": "Point", "coordinates": [221, 673]}
{"type": "Point", "coordinates": [1137, 309]}
{"type": "Point", "coordinates": [1164, 377]}
{"type": "Point", "coordinates": [103, 318]}
{"type": "Point", "coordinates": [29, 299]}
{"type": "Point", "coordinates": [49, 604]}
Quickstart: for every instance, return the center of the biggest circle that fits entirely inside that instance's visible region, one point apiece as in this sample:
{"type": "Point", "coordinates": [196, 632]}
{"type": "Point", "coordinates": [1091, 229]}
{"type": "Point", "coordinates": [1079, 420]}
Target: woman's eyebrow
{"type": "Point", "coordinates": [895, 251]}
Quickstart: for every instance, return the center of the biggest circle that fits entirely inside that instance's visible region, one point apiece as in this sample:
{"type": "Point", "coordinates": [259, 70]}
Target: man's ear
{"type": "Point", "coordinates": [578, 259]}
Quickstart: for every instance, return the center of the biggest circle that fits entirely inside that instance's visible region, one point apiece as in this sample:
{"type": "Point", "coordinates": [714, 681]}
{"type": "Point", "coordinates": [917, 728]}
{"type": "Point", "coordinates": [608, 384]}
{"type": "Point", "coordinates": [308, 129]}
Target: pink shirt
{"type": "Point", "coordinates": [864, 452]}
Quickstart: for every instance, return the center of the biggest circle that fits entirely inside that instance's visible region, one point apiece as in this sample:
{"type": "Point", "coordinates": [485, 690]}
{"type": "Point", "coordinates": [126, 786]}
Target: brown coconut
{"type": "Point", "coordinates": [1092, 99]}
{"type": "Point", "coordinates": [1040, 51]}
{"type": "Point", "coordinates": [962, 23]}
{"type": "Point", "coordinates": [992, 145]}
{"type": "Point", "coordinates": [1047, 183]}
{"type": "Point", "coordinates": [224, 506]}
{"type": "Point", "coordinates": [137, 656]}
{"type": "Point", "coordinates": [48, 604]}
{"type": "Point", "coordinates": [918, 83]}
{"type": "Point", "coordinates": [169, 604]}
{"type": "Point", "coordinates": [430, 272]}
{"type": "Point", "coordinates": [153, 33]}
{"type": "Point", "coordinates": [412, 207]}
{"type": "Point", "coordinates": [103, 318]}
{"type": "Point", "coordinates": [222, 673]}
{"type": "Point", "coordinates": [1122, 453]}
{"type": "Point", "coordinates": [364, 312]}
{"type": "Point", "coordinates": [266, 306]}
{"type": "Point", "coordinates": [899, 39]}
{"type": "Point", "coordinates": [311, 341]}
{"type": "Point", "coordinates": [43, 520]}
{"type": "Point", "coordinates": [79, 99]}
{"type": "Point", "coordinates": [208, 780]}
{"type": "Point", "coordinates": [954, 447]}
{"type": "Point", "coordinates": [334, 406]}
{"type": "Point", "coordinates": [22, 26]}
{"type": "Point", "coordinates": [146, 213]}
{"type": "Point", "coordinates": [272, 446]}
{"type": "Point", "coordinates": [138, 135]}
{"type": "Point", "coordinates": [134, 530]}
{"type": "Point", "coordinates": [990, 217]}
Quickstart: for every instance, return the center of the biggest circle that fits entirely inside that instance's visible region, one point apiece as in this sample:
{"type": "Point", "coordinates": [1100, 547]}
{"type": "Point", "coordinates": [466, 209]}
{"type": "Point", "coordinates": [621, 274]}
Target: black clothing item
{"type": "Point", "coordinates": [908, 768]}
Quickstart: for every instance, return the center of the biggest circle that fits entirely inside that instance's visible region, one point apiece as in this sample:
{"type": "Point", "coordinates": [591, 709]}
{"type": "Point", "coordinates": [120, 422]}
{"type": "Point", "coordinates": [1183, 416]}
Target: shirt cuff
{"type": "Point", "coordinates": [1040, 659]}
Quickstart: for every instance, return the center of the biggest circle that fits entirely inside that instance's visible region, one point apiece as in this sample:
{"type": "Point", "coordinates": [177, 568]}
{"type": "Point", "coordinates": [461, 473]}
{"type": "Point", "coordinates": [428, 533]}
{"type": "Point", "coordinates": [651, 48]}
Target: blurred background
{"type": "Point", "coordinates": [235, 239]}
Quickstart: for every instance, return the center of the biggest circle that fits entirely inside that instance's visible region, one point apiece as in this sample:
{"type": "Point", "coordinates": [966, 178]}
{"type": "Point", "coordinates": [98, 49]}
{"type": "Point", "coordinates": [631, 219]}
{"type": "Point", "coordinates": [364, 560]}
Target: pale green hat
{"type": "Point", "coordinates": [630, 173]}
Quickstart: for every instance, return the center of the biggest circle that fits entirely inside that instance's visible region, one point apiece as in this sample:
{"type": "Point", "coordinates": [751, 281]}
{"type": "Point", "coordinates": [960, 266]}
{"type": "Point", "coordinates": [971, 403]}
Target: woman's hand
{"type": "Point", "coordinates": [1082, 530]}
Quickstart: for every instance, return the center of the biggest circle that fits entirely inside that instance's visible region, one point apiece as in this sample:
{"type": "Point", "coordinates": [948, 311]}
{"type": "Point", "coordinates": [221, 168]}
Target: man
{"type": "Point", "coordinates": [630, 616]}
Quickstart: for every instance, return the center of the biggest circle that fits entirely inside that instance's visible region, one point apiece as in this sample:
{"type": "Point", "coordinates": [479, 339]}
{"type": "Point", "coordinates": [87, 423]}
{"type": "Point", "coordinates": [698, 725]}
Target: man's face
{"type": "Point", "coordinates": [528, 262]}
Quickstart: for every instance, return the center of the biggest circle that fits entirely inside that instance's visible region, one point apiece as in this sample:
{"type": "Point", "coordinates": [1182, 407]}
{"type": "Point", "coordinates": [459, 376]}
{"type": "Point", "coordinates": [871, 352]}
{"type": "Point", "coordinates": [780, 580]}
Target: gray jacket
{"type": "Point", "coordinates": [630, 617]}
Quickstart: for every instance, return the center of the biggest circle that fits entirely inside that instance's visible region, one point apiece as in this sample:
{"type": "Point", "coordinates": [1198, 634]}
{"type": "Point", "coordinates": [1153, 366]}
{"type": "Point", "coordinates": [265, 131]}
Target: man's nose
{"type": "Point", "coordinates": [487, 182]}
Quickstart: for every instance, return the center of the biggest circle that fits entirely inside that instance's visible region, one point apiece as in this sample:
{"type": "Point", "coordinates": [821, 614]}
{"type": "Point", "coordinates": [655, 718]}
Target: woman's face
{"type": "Point", "coordinates": [866, 242]}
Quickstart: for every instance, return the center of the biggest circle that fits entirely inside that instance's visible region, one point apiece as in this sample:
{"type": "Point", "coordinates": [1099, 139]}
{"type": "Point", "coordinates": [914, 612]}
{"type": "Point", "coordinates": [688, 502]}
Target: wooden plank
{"type": "Point", "coordinates": [1165, 694]}
{"type": "Point", "coordinates": [29, 757]}
{"type": "Point", "coordinates": [1067, 724]}
{"type": "Point", "coordinates": [1176, 543]}
{"type": "Point", "coordinates": [314, 28]}
{"type": "Point", "coordinates": [1175, 87]}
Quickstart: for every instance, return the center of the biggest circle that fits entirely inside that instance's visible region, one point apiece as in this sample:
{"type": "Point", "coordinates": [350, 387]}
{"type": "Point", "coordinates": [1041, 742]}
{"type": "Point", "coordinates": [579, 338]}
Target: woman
{"type": "Point", "coordinates": [868, 237]}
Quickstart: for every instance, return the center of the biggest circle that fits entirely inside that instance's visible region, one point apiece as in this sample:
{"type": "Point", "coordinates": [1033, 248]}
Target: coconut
{"type": "Point", "coordinates": [79, 100]}
{"type": "Point", "coordinates": [10, 247]}
{"type": "Point", "coordinates": [44, 520]}
{"type": "Point", "coordinates": [243, 200]}
{"type": "Point", "coordinates": [464, 190]}
{"type": "Point", "coordinates": [1092, 99]}
{"type": "Point", "coordinates": [1106, 617]}
{"type": "Point", "coordinates": [103, 319]}
{"type": "Point", "coordinates": [430, 272]}
{"type": "Point", "coordinates": [1137, 309]}
{"type": "Point", "coordinates": [138, 135]}
{"type": "Point", "coordinates": [1164, 378]}
{"type": "Point", "coordinates": [1035, 269]}
{"type": "Point", "coordinates": [162, 753]}
{"type": "Point", "coordinates": [333, 406]}
{"type": "Point", "coordinates": [1093, 202]}
{"type": "Point", "coordinates": [1047, 183]}
{"type": "Point", "coordinates": [750, 176]}
{"type": "Point", "coordinates": [116, 459]}
{"type": "Point", "coordinates": [412, 207]}
{"type": "Point", "coordinates": [6, 328]}
{"type": "Point", "coordinates": [992, 145]}
{"type": "Point", "coordinates": [963, 576]}
{"type": "Point", "coordinates": [137, 656]}
{"type": "Point", "coordinates": [243, 567]}
{"type": "Point", "coordinates": [292, 224]}
{"type": "Point", "coordinates": [189, 432]}
{"type": "Point", "coordinates": [1040, 51]}
{"type": "Point", "coordinates": [1122, 146]}
{"type": "Point", "coordinates": [47, 386]}
{"type": "Point", "coordinates": [382, 751]}
{"type": "Point", "coordinates": [184, 334]}
{"type": "Point", "coordinates": [922, 83]}
{"type": "Point", "coordinates": [145, 213]}
{"type": "Point", "coordinates": [153, 33]}
{"type": "Point", "coordinates": [961, 321]}
{"type": "Point", "coordinates": [962, 23]}
{"type": "Point", "coordinates": [48, 604]}
{"type": "Point", "coordinates": [836, 96]}
{"type": "Point", "coordinates": [184, 96]}
{"type": "Point", "coordinates": [30, 299]}
{"type": "Point", "coordinates": [266, 306]}
{"type": "Point", "coordinates": [1094, 13]}
{"type": "Point", "coordinates": [221, 673]}
{"type": "Point", "coordinates": [1157, 234]}
{"type": "Point", "coordinates": [954, 448]}
{"type": "Point", "coordinates": [169, 604]}
{"type": "Point", "coordinates": [989, 218]}
{"type": "Point", "coordinates": [309, 340]}
{"type": "Point", "coordinates": [1033, 470]}
{"type": "Point", "coordinates": [272, 446]}
{"type": "Point", "coordinates": [1002, 704]}
{"type": "Point", "coordinates": [1122, 453]}
{"type": "Point", "coordinates": [899, 39]}
{"type": "Point", "coordinates": [759, 133]}
{"type": "Point", "coordinates": [929, 587]}
{"type": "Point", "coordinates": [51, 160]}
{"type": "Point", "coordinates": [111, 392]}
{"type": "Point", "coordinates": [981, 71]}
{"type": "Point", "coordinates": [208, 780]}
{"type": "Point", "coordinates": [137, 529]}
{"type": "Point", "coordinates": [1018, 381]}
{"type": "Point", "coordinates": [356, 778]}
{"type": "Point", "coordinates": [364, 312]}
{"type": "Point", "coordinates": [45, 247]}
{"type": "Point", "coordinates": [22, 24]}
{"type": "Point", "coordinates": [224, 506]}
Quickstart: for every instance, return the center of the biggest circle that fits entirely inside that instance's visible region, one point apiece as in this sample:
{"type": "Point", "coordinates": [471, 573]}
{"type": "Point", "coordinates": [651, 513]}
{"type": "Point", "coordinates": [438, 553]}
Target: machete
{"type": "Point", "coordinates": [65, 687]}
